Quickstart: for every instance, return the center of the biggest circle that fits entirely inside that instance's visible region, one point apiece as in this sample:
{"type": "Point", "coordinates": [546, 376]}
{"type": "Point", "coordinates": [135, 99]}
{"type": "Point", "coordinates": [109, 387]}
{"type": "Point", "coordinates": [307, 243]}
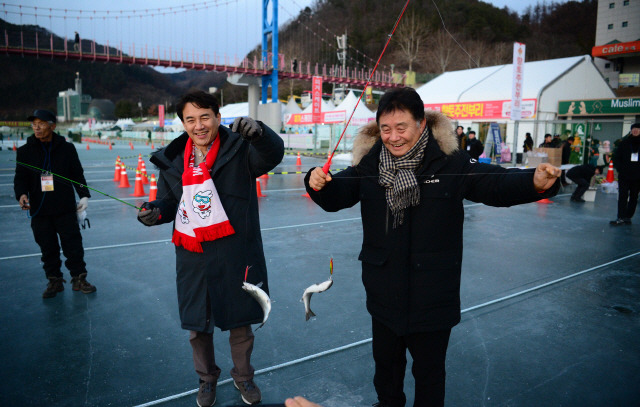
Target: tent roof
{"type": "Point", "coordinates": [292, 106]}
{"type": "Point", "coordinates": [349, 103]}
{"type": "Point", "coordinates": [324, 107]}
{"type": "Point", "coordinates": [494, 82]}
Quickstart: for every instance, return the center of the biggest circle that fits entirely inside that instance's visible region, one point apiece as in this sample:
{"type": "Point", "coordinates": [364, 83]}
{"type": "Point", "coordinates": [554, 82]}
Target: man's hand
{"type": "Point", "coordinates": [318, 179]}
{"type": "Point", "coordinates": [300, 402]}
{"type": "Point", "coordinates": [545, 176]}
{"type": "Point", "coordinates": [248, 128]}
{"type": "Point", "coordinates": [24, 202]}
{"type": "Point", "coordinates": [149, 214]}
{"type": "Point", "coordinates": [83, 204]}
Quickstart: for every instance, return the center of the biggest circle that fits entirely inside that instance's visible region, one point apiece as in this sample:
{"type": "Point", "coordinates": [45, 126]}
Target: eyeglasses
{"type": "Point", "coordinates": [39, 125]}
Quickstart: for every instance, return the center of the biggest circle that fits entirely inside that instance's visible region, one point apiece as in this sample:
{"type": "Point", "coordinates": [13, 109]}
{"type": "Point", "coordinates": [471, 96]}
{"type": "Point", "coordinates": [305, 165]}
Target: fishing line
{"type": "Point", "coordinates": [451, 35]}
{"type": "Point", "coordinates": [327, 165]}
{"type": "Point", "coordinates": [78, 183]}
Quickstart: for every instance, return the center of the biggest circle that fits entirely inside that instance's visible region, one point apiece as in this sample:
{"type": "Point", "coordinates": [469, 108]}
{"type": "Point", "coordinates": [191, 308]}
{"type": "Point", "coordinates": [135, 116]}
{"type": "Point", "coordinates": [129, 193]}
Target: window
{"type": "Point", "coordinates": [607, 65]}
{"type": "Point", "coordinates": [612, 5]}
{"type": "Point", "coordinates": [625, 24]}
{"type": "Point", "coordinates": [625, 3]}
{"type": "Point", "coordinates": [610, 27]}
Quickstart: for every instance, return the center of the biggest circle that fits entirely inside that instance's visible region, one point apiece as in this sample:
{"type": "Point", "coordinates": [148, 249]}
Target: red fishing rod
{"type": "Point", "coordinates": [327, 165]}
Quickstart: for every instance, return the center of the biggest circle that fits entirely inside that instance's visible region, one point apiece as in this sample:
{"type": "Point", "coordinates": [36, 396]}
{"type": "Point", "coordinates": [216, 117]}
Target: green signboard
{"type": "Point", "coordinates": [619, 106]}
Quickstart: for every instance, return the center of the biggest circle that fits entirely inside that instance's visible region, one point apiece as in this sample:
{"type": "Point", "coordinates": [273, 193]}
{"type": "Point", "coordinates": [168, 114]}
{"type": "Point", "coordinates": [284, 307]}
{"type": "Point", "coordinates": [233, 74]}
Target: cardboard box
{"type": "Point", "coordinates": [589, 195]}
{"type": "Point", "coordinates": [532, 160]}
{"type": "Point", "coordinates": [554, 155]}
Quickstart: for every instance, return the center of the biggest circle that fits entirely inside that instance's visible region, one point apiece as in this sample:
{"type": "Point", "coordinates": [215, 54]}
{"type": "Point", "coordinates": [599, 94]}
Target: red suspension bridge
{"type": "Point", "coordinates": [42, 43]}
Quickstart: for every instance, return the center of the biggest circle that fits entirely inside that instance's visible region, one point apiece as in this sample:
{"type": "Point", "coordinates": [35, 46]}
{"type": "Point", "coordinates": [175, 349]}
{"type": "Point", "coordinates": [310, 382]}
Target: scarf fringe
{"type": "Point", "coordinates": [214, 232]}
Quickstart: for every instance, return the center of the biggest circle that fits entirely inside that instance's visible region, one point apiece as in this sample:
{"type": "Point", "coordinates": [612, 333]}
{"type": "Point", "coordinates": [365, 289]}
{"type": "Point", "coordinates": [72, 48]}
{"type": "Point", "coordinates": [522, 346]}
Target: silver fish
{"type": "Point", "coordinates": [315, 288]}
{"type": "Point", "coordinates": [259, 295]}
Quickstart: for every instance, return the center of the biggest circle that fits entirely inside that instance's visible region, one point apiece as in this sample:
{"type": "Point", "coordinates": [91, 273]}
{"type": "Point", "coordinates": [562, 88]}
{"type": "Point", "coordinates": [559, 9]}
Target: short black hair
{"type": "Point", "coordinates": [472, 132]}
{"type": "Point", "coordinates": [547, 135]}
{"type": "Point", "coordinates": [199, 98]}
{"type": "Point", "coordinates": [401, 99]}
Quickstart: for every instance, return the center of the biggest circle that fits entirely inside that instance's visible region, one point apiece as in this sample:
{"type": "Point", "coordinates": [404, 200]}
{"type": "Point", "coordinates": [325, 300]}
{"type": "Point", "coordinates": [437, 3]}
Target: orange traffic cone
{"type": "Point", "coordinates": [14, 146]}
{"type": "Point", "coordinates": [124, 178]}
{"type": "Point", "coordinates": [110, 146]}
{"type": "Point", "coordinates": [138, 188]}
{"type": "Point", "coordinates": [116, 173]}
{"type": "Point", "coordinates": [610, 172]}
{"type": "Point", "coordinates": [259, 190]}
{"type": "Point", "coordinates": [152, 147]}
{"type": "Point", "coordinates": [545, 201]}
{"type": "Point", "coordinates": [131, 145]}
{"type": "Point", "coordinates": [87, 146]}
{"type": "Point", "coordinates": [153, 189]}
{"type": "Point", "coordinates": [143, 171]}
{"type": "Point", "coordinates": [298, 161]}
{"type": "Point", "coordinates": [263, 176]}
{"type": "Point", "coordinates": [306, 194]}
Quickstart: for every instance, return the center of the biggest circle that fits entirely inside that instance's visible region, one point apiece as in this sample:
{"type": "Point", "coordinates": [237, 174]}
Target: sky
{"type": "Point", "coordinates": [224, 30]}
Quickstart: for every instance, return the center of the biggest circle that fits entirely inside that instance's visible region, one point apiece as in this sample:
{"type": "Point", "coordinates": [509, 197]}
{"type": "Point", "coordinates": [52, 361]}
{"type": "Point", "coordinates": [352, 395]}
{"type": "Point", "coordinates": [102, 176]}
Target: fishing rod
{"type": "Point", "coordinates": [76, 182]}
{"type": "Point", "coordinates": [327, 165]}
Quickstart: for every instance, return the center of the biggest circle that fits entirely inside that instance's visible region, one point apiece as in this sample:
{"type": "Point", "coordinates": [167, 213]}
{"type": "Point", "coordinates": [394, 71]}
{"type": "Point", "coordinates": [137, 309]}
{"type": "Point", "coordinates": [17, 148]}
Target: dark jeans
{"type": "Point", "coordinates": [428, 350]}
{"type": "Point", "coordinates": [581, 187]}
{"type": "Point", "coordinates": [627, 198]}
{"type": "Point", "coordinates": [204, 359]}
{"type": "Point", "coordinates": [46, 230]}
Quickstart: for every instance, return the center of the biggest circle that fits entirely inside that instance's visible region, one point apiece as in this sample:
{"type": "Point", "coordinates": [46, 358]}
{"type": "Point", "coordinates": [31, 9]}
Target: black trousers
{"type": "Point", "coordinates": [428, 350]}
{"type": "Point", "coordinates": [582, 185]}
{"type": "Point", "coordinates": [46, 230]}
{"type": "Point", "coordinates": [627, 198]}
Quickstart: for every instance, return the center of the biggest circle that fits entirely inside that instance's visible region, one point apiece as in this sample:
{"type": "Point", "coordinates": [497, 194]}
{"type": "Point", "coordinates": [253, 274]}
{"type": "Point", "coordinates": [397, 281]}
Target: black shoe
{"type": "Point", "coordinates": [54, 287]}
{"type": "Point", "coordinates": [206, 394]}
{"type": "Point", "coordinates": [617, 222]}
{"type": "Point", "coordinates": [80, 283]}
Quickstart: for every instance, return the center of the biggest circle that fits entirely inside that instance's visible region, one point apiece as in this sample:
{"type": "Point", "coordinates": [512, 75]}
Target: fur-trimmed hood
{"type": "Point", "coordinates": [441, 130]}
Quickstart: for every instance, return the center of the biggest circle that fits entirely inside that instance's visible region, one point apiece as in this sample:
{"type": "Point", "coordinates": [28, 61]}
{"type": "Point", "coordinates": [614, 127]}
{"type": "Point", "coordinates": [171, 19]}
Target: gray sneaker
{"type": "Point", "coordinates": [206, 394]}
{"type": "Point", "coordinates": [249, 391]}
{"type": "Point", "coordinates": [54, 287]}
{"type": "Point", "coordinates": [80, 283]}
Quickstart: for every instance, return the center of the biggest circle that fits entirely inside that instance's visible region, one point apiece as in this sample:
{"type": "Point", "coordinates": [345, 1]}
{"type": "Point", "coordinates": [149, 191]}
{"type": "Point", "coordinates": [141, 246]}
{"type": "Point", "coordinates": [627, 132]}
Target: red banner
{"type": "Point", "coordinates": [616, 49]}
{"type": "Point", "coordinates": [161, 115]}
{"type": "Point", "coordinates": [492, 110]}
{"type": "Point", "coordinates": [307, 118]}
{"type": "Point", "coordinates": [316, 98]}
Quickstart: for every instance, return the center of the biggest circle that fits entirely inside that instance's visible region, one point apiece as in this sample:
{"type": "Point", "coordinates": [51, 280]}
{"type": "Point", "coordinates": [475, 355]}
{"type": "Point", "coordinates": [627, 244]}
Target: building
{"type": "Point", "coordinates": [617, 47]}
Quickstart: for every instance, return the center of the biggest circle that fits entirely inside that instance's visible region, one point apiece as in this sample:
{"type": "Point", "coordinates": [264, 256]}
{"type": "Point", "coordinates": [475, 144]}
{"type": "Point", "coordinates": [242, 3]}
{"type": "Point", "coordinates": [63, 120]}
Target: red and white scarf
{"type": "Point", "coordinates": [200, 216]}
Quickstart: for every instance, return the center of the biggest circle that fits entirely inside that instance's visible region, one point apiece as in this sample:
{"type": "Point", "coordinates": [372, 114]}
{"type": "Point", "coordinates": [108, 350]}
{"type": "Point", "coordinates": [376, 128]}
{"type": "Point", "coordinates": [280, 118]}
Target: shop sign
{"type": "Point", "coordinates": [618, 106]}
{"type": "Point", "coordinates": [307, 118]}
{"type": "Point", "coordinates": [629, 79]}
{"type": "Point", "coordinates": [616, 49]}
{"type": "Point", "coordinates": [492, 110]}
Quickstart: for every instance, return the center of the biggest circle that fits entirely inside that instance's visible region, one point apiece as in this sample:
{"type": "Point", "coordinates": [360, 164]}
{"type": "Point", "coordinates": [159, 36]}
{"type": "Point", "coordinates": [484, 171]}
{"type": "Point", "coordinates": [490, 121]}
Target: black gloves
{"type": "Point", "coordinates": [149, 214]}
{"type": "Point", "coordinates": [248, 128]}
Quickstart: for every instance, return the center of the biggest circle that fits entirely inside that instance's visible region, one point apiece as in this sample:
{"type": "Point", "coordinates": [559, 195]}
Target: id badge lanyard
{"type": "Point", "coordinates": [46, 178]}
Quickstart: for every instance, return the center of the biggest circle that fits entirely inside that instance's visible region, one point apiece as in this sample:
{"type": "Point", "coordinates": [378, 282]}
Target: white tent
{"type": "Point", "coordinates": [324, 107]}
{"type": "Point", "coordinates": [484, 94]}
{"type": "Point", "coordinates": [292, 107]}
{"type": "Point", "coordinates": [362, 114]}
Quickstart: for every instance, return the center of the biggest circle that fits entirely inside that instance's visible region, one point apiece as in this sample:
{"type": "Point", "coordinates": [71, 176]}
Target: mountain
{"type": "Point", "coordinates": [475, 34]}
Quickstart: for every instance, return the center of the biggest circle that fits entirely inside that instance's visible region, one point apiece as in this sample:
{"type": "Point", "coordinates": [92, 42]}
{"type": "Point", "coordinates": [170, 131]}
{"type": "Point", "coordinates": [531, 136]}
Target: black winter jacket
{"type": "Point", "coordinates": [59, 157]}
{"type": "Point", "coordinates": [627, 170]}
{"type": "Point", "coordinates": [210, 284]}
{"type": "Point", "coordinates": [411, 274]}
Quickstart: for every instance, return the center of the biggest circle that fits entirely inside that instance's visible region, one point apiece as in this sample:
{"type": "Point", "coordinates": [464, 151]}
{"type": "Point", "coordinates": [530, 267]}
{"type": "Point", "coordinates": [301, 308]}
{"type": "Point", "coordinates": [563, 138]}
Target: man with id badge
{"type": "Point", "coordinates": [51, 201]}
{"type": "Point", "coordinates": [627, 162]}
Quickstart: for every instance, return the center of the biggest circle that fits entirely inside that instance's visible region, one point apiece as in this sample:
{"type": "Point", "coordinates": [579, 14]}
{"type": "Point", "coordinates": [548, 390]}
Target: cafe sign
{"type": "Point", "coordinates": [595, 107]}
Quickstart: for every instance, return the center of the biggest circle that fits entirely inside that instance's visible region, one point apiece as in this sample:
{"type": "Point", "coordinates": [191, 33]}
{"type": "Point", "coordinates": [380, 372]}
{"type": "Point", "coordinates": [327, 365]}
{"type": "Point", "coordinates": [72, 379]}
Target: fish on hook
{"type": "Point", "coordinates": [316, 288]}
{"type": "Point", "coordinates": [259, 295]}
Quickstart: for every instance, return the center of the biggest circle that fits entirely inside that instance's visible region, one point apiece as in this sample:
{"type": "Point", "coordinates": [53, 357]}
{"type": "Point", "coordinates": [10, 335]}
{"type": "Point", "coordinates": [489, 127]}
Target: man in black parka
{"type": "Point", "coordinates": [51, 201]}
{"type": "Point", "coordinates": [410, 180]}
{"type": "Point", "coordinates": [209, 282]}
{"type": "Point", "coordinates": [626, 160]}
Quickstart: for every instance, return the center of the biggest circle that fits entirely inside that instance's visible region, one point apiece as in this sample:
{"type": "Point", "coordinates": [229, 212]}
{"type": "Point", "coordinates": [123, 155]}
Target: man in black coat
{"type": "Point", "coordinates": [208, 179]}
{"type": "Point", "coordinates": [51, 201]}
{"type": "Point", "coordinates": [474, 146]}
{"type": "Point", "coordinates": [627, 163]}
{"type": "Point", "coordinates": [410, 179]}
{"type": "Point", "coordinates": [581, 175]}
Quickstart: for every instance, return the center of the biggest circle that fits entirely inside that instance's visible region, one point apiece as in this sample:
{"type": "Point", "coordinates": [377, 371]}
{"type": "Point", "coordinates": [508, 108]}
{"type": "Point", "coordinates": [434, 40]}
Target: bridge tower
{"type": "Point", "coordinates": [270, 28]}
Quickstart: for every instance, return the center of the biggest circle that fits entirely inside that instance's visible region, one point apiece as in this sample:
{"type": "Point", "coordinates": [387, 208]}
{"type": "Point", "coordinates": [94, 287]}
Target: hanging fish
{"type": "Point", "coordinates": [316, 288]}
{"type": "Point", "coordinates": [259, 295]}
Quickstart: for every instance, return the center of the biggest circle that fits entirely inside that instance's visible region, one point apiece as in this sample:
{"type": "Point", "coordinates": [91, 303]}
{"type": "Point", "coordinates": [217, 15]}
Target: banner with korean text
{"type": "Point", "coordinates": [490, 110]}
{"type": "Point", "coordinates": [161, 115]}
{"type": "Point", "coordinates": [316, 98]}
{"type": "Point", "coordinates": [518, 79]}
